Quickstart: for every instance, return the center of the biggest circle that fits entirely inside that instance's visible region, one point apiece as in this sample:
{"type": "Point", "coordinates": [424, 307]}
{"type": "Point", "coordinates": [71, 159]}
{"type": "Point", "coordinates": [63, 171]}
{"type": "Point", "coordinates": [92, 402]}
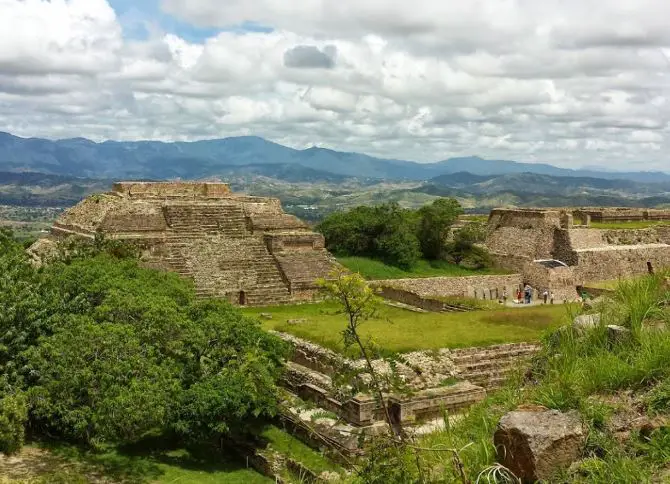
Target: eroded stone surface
{"type": "Point", "coordinates": [535, 443]}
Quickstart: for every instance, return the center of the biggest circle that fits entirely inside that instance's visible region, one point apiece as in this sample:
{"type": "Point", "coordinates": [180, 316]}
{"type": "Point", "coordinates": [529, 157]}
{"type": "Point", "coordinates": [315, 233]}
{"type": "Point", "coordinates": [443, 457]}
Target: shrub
{"type": "Point", "coordinates": [13, 418]}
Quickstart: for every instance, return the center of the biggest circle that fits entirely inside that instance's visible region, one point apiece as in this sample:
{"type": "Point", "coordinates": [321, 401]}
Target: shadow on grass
{"type": "Point", "coordinates": [143, 461]}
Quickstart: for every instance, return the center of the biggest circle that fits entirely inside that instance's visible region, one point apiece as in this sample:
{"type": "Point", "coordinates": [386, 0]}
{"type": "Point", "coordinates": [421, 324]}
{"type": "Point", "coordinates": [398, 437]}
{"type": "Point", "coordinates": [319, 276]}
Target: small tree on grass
{"type": "Point", "coordinates": [396, 459]}
{"type": "Point", "coordinates": [359, 302]}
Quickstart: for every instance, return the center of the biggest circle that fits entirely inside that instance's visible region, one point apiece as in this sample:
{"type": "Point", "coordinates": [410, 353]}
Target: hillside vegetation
{"type": "Point", "coordinates": [98, 351]}
{"type": "Point", "coordinates": [402, 237]}
{"type": "Point", "coordinates": [618, 382]}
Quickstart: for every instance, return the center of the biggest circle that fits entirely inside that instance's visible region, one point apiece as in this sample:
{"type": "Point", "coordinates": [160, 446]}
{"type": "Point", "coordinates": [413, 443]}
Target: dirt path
{"type": "Point", "coordinates": [33, 463]}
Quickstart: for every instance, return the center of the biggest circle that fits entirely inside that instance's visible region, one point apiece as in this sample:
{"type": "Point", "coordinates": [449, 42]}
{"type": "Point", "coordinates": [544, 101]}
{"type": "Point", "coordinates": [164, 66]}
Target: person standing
{"type": "Point", "coordinates": [551, 297]}
{"type": "Point", "coordinates": [545, 296]}
{"type": "Point", "coordinates": [504, 296]}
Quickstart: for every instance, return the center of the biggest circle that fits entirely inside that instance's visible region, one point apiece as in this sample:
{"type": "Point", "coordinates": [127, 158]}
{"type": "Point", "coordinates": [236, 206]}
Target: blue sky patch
{"type": "Point", "coordinates": [141, 18]}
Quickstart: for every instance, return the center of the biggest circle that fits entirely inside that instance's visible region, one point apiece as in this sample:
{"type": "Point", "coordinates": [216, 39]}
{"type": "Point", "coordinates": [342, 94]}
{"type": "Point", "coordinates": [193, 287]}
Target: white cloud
{"type": "Point", "coordinates": [575, 82]}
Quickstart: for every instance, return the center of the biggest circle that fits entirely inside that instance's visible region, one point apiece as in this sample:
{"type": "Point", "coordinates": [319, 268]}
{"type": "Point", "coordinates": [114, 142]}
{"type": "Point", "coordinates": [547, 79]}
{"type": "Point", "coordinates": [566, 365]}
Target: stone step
{"type": "Point", "coordinates": [487, 364]}
{"type": "Point", "coordinates": [457, 356]}
{"type": "Point", "coordinates": [476, 358]}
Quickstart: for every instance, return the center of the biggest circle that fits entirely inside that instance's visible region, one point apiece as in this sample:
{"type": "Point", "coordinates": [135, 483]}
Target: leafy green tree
{"type": "Point", "coordinates": [385, 232]}
{"type": "Point", "coordinates": [435, 223]}
{"type": "Point", "coordinates": [463, 250]}
{"type": "Point", "coordinates": [107, 351]}
{"type": "Point", "coordinates": [99, 383]}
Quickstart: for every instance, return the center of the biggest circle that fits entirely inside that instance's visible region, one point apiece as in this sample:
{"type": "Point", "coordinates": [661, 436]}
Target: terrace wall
{"type": "Point", "coordinates": [468, 286]}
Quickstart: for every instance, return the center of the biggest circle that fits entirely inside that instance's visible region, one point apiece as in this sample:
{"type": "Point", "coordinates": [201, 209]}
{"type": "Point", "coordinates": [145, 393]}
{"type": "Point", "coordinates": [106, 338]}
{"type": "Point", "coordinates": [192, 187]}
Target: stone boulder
{"type": "Point", "coordinates": [586, 321]}
{"type": "Point", "coordinates": [535, 442]}
{"type": "Point", "coordinates": [618, 334]}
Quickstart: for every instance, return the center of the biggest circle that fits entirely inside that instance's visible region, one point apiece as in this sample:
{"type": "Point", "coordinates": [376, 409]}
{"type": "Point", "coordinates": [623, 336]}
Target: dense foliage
{"type": "Point", "coordinates": [402, 237]}
{"type": "Point", "coordinates": [98, 349]}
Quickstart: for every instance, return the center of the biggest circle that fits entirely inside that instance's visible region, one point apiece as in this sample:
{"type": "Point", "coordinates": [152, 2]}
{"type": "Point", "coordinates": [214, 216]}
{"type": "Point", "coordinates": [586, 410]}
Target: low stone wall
{"type": "Point", "coordinates": [630, 237]}
{"type": "Point", "coordinates": [468, 286]}
{"type": "Point", "coordinates": [434, 402]}
{"type": "Point", "coordinates": [619, 214]}
{"type": "Point", "coordinates": [411, 298]}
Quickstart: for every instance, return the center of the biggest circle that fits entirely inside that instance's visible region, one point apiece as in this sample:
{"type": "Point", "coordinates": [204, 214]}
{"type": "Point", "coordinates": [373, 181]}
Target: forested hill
{"type": "Point", "coordinates": [190, 160]}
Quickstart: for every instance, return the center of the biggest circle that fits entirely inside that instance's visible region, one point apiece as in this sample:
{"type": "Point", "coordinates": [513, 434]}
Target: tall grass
{"type": "Point", "coordinates": [574, 372]}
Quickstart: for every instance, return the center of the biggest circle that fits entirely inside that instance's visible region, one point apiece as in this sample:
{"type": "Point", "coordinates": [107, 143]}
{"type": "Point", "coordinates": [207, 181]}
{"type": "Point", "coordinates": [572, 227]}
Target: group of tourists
{"type": "Point", "coordinates": [526, 295]}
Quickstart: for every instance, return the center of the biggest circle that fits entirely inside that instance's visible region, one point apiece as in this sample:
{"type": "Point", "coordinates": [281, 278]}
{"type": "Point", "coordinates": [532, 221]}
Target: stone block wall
{"type": "Point", "coordinates": [623, 214]}
{"type": "Point", "coordinates": [585, 238]}
{"type": "Point", "coordinates": [559, 280]}
{"type": "Point", "coordinates": [630, 237]}
{"type": "Point", "coordinates": [170, 190]}
{"type": "Point", "coordinates": [453, 286]}
{"type": "Point", "coordinates": [518, 237]}
{"type": "Point", "coordinates": [609, 263]}
{"type": "Point", "coordinates": [522, 233]}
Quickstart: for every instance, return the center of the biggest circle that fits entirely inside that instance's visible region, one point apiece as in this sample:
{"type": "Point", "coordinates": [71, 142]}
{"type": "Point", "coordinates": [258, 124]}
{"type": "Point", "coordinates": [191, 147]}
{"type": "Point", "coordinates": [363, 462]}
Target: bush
{"type": "Point", "coordinates": [107, 351]}
{"type": "Point", "coordinates": [13, 418]}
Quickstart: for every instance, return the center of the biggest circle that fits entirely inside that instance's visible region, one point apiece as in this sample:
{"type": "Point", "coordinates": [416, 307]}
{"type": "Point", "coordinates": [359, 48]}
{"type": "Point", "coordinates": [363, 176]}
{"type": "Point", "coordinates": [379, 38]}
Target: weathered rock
{"type": "Point", "coordinates": [591, 304]}
{"type": "Point", "coordinates": [265, 316]}
{"type": "Point", "coordinates": [534, 443]}
{"type": "Point", "coordinates": [586, 321]}
{"type": "Point", "coordinates": [296, 321]}
{"type": "Point", "coordinates": [618, 334]}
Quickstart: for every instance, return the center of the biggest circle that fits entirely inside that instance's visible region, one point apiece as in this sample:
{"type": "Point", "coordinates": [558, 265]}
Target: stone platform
{"type": "Point", "coordinates": [241, 248]}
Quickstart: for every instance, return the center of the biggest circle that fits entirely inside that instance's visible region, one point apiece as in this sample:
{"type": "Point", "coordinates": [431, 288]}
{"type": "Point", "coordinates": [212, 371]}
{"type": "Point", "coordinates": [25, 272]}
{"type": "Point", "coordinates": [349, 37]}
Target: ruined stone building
{"type": "Point", "coordinates": [530, 241]}
{"type": "Point", "coordinates": [238, 247]}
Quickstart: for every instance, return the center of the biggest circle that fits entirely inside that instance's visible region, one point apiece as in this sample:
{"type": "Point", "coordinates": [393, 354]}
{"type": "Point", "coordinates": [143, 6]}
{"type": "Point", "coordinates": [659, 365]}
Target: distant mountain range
{"type": "Point", "coordinates": [252, 155]}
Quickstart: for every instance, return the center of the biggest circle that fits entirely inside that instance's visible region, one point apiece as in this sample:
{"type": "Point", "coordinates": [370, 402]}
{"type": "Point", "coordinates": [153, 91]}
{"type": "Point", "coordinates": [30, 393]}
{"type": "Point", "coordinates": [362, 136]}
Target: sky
{"type": "Point", "coordinates": [569, 82]}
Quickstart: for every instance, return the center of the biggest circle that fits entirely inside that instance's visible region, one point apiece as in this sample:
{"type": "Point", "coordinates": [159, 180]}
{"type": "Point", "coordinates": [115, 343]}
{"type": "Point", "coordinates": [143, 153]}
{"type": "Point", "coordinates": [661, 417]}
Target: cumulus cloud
{"type": "Point", "coordinates": [310, 57]}
{"type": "Point", "coordinates": [572, 82]}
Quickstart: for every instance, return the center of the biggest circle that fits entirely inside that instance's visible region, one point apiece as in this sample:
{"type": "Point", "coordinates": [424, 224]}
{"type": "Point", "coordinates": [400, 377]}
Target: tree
{"type": "Point", "coordinates": [386, 232]}
{"type": "Point", "coordinates": [435, 222]}
{"type": "Point", "coordinates": [463, 250]}
{"type": "Point", "coordinates": [98, 383]}
{"type": "Point", "coordinates": [106, 351]}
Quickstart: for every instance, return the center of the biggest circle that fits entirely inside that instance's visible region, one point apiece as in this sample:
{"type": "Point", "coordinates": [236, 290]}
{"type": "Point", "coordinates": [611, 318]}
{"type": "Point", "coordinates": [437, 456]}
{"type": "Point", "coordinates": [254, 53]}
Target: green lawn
{"type": "Point", "coordinates": [640, 224]}
{"type": "Point", "coordinates": [397, 330]}
{"type": "Point", "coordinates": [374, 269]}
{"type": "Point", "coordinates": [150, 463]}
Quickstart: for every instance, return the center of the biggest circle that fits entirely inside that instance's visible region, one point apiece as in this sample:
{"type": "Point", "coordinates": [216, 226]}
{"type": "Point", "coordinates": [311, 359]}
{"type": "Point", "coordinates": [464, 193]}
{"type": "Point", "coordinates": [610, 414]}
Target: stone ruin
{"type": "Point", "coordinates": [528, 240]}
{"type": "Point", "coordinates": [241, 248]}
{"type": "Point", "coordinates": [435, 384]}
